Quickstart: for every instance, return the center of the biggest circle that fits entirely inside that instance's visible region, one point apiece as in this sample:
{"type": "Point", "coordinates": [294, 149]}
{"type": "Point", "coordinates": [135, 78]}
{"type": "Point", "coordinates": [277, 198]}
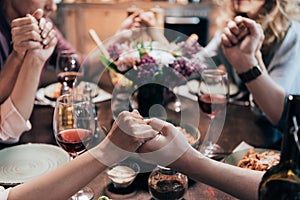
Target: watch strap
{"type": "Point", "coordinates": [251, 74]}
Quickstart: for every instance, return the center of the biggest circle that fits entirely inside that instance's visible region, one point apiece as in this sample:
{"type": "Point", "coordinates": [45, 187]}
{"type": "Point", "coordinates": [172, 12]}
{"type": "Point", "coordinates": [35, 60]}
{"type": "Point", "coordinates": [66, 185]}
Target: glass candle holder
{"type": "Point", "coordinates": [165, 183]}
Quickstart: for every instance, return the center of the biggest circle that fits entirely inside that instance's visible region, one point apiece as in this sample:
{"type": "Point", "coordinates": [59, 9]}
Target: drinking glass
{"type": "Point", "coordinates": [74, 127]}
{"type": "Point", "coordinates": [68, 69]}
{"type": "Point", "coordinates": [212, 97]}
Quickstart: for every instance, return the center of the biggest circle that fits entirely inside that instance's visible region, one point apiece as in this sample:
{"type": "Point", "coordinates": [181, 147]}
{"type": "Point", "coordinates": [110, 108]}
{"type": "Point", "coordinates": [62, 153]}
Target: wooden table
{"type": "Point", "coordinates": [240, 125]}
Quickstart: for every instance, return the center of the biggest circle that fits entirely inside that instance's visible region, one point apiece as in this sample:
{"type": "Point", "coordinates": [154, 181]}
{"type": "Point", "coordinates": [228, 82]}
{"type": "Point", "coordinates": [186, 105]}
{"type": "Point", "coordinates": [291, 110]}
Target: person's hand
{"type": "Point", "coordinates": [166, 147]}
{"type": "Point", "coordinates": [48, 42]}
{"type": "Point", "coordinates": [33, 32]}
{"type": "Point", "coordinates": [147, 19]}
{"type": "Point", "coordinates": [25, 34]}
{"type": "Point", "coordinates": [127, 134]}
{"type": "Point", "coordinates": [133, 26]}
{"type": "Point", "coordinates": [130, 22]}
{"type": "Point", "coordinates": [241, 42]}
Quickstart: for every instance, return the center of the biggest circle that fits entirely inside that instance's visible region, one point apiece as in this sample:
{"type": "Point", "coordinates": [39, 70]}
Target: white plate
{"type": "Point", "coordinates": [236, 157]}
{"type": "Point", "coordinates": [41, 98]}
{"type": "Point", "coordinates": [22, 163]}
{"type": "Point", "coordinates": [191, 88]}
{"type": "Point", "coordinates": [52, 91]}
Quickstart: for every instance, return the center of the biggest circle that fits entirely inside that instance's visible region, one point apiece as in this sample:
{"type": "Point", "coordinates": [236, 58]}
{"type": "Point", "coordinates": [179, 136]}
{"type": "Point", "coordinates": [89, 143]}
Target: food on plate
{"type": "Point", "coordinates": [56, 91]}
{"type": "Point", "coordinates": [192, 140]}
{"type": "Point", "coordinates": [53, 91]}
{"type": "Point", "coordinates": [259, 161]}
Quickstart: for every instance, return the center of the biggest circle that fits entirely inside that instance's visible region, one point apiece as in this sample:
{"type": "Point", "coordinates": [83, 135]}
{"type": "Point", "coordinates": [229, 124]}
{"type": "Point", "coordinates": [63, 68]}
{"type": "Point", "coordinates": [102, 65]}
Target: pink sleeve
{"type": "Point", "coordinates": [12, 124]}
{"type": "Point", "coordinates": [4, 193]}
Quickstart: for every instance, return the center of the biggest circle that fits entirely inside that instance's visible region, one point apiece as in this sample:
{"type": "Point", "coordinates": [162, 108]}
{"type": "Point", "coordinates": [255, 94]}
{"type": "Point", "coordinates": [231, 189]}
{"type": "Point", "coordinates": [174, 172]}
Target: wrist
{"type": "Point", "coordinates": [250, 74]}
{"type": "Point", "coordinates": [108, 153]}
{"type": "Point", "coordinates": [187, 162]}
{"type": "Point", "coordinates": [18, 56]}
{"type": "Point", "coordinates": [246, 64]}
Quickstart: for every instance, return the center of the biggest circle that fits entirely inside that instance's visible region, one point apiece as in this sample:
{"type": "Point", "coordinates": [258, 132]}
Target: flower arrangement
{"type": "Point", "coordinates": [148, 61]}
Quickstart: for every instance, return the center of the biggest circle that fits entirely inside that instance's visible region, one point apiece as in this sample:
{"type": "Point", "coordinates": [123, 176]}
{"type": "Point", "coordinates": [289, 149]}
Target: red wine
{"type": "Point", "coordinates": [68, 77]}
{"type": "Point", "coordinates": [212, 104]}
{"type": "Point", "coordinates": [74, 140]}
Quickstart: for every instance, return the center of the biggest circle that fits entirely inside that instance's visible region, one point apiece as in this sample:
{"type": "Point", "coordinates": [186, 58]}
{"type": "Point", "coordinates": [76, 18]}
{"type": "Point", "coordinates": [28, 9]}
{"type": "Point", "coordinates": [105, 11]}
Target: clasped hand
{"type": "Point", "coordinates": [33, 32]}
{"type": "Point", "coordinates": [155, 140]}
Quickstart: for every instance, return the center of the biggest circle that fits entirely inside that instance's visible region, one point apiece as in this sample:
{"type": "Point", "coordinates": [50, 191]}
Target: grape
{"type": "Point", "coordinates": [146, 68]}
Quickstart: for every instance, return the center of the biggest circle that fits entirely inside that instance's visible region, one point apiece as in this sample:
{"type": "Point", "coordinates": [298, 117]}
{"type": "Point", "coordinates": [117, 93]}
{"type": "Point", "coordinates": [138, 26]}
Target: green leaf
{"type": "Point", "coordinates": [108, 63]}
{"type": "Point", "coordinates": [176, 40]}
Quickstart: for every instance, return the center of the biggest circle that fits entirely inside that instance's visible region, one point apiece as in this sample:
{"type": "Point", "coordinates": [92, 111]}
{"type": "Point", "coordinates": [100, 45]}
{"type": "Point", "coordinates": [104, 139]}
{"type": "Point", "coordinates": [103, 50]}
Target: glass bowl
{"type": "Point", "coordinates": [190, 131]}
{"type": "Point", "coordinates": [123, 174]}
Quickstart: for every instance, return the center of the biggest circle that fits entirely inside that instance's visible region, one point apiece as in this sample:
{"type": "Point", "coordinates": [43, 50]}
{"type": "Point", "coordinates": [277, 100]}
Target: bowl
{"type": "Point", "coordinates": [123, 174]}
{"type": "Point", "coordinates": [190, 131]}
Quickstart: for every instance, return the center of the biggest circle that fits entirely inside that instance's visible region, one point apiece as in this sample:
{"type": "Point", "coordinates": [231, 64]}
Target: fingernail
{"type": "Point", "coordinates": [45, 41]}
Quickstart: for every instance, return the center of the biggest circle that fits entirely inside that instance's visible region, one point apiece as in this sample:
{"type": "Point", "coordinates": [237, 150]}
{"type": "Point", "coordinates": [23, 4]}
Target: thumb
{"type": "Point", "coordinates": [159, 125]}
{"type": "Point", "coordinates": [38, 14]}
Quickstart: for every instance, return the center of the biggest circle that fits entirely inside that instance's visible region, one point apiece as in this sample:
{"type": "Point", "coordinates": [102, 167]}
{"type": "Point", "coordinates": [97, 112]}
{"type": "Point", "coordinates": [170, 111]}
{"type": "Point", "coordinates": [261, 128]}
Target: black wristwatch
{"type": "Point", "coordinates": [251, 74]}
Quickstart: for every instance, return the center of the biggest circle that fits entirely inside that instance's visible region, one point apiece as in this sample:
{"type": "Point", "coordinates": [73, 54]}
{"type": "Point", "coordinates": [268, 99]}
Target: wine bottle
{"type": "Point", "coordinates": [283, 180]}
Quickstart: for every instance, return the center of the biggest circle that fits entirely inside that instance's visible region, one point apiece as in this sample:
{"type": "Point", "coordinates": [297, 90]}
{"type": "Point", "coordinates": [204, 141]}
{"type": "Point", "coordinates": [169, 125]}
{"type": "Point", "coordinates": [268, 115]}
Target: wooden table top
{"type": "Point", "coordinates": [240, 125]}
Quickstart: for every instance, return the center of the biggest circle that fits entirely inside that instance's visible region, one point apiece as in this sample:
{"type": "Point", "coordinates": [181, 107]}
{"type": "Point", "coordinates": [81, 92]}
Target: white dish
{"type": "Point", "coordinates": [41, 98]}
{"type": "Point", "coordinates": [235, 157]}
{"type": "Point", "coordinates": [52, 91]}
{"type": "Point", "coordinates": [191, 88]}
{"type": "Point", "coordinates": [22, 163]}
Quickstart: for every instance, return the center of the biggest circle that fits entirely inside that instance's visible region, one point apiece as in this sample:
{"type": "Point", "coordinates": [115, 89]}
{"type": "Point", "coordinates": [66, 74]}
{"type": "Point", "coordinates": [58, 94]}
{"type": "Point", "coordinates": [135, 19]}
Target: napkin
{"type": "Point", "coordinates": [243, 145]}
{"type": "Point", "coordinates": [184, 91]}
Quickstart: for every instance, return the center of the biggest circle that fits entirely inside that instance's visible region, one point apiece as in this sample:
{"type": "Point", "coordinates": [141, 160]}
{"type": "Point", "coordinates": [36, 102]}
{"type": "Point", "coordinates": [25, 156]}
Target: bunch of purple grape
{"type": "Point", "coordinates": [146, 68]}
{"type": "Point", "coordinates": [198, 63]}
{"type": "Point", "coordinates": [190, 48]}
{"type": "Point", "coordinates": [115, 50]}
{"type": "Point", "coordinates": [183, 67]}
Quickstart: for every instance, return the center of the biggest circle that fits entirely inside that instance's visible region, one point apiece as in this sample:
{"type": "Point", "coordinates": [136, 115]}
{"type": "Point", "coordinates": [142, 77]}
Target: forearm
{"type": "Point", "coordinates": [26, 85]}
{"type": "Point", "coordinates": [269, 96]}
{"type": "Point", "coordinates": [239, 182]}
{"type": "Point", "coordinates": [61, 183]}
{"type": "Point", "coordinates": [8, 75]}
{"type": "Point", "coordinates": [157, 35]}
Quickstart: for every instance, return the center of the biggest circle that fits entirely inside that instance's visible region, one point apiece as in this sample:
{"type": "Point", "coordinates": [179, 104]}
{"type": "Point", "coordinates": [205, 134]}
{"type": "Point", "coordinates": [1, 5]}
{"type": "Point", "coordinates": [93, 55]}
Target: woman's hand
{"type": "Point", "coordinates": [241, 42]}
{"type": "Point", "coordinates": [166, 147]}
{"type": "Point", "coordinates": [127, 134]}
{"type": "Point", "coordinates": [26, 34]}
{"type": "Point", "coordinates": [33, 33]}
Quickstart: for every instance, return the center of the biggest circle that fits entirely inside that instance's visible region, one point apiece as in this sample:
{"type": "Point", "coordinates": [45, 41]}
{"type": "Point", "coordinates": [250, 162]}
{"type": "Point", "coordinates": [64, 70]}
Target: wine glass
{"type": "Point", "coordinates": [74, 127]}
{"type": "Point", "coordinates": [68, 69]}
{"type": "Point", "coordinates": [212, 97]}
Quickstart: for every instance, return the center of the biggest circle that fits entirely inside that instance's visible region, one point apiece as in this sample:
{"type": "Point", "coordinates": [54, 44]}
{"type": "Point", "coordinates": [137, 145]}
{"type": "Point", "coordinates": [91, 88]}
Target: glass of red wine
{"type": "Point", "coordinates": [213, 96]}
{"type": "Point", "coordinates": [68, 69]}
{"type": "Point", "coordinates": [74, 127]}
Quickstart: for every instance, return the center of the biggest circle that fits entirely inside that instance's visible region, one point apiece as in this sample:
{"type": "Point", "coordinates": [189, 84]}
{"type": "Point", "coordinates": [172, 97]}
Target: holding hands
{"type": "Point", "coordinates": [127, 134]}
{"type": "Point", "coordinates": [155, 140]}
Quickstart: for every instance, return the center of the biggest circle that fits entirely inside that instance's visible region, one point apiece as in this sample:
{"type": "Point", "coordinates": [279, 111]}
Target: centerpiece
{"type": "Point", "coordinates": [152, 69]}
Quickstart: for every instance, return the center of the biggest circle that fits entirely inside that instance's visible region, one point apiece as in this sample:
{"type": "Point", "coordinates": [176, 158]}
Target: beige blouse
{"type": "Point", "coordinates": [12, 123]}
